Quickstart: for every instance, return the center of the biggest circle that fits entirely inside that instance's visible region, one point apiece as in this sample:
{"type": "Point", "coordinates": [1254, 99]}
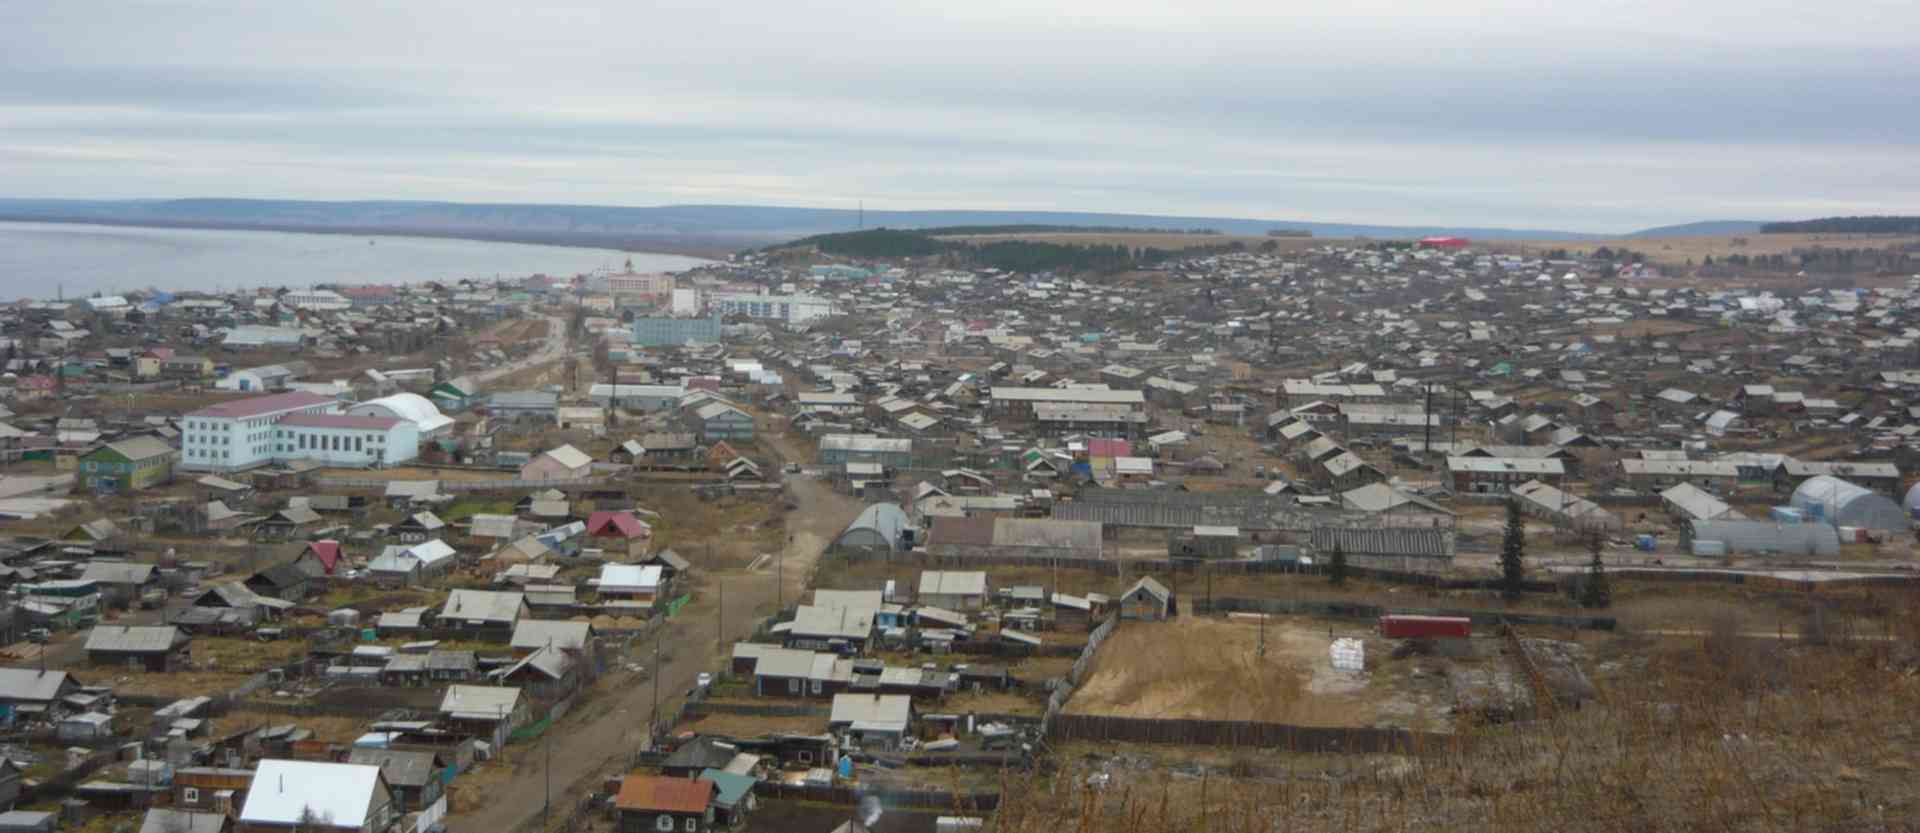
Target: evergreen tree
{"type": "Point", "coordinates": [1337, 566]}
{"type": "Point", "coordinates": [1513, 553]}
{"type": "Point", "coordinates": [1595, 592]}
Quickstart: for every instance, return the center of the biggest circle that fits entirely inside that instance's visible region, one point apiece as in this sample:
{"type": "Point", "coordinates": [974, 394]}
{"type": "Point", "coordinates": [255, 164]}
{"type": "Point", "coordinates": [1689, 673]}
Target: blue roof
{"type": "Point", "coordinates": [732, 787]}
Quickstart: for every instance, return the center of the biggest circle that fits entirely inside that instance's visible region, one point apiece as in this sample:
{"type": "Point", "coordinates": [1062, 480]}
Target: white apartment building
{"type": "Point", "coordinates": [249, 433]}
{"type": "Point", "coordinates": [793, 309]}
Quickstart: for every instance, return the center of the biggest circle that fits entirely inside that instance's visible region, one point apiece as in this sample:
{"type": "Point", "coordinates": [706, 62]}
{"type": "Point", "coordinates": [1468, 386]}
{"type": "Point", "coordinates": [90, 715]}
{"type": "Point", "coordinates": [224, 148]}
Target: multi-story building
{"type": "Point", "coordinates": [793, 309]}
{"type": "Point", "coordinates": [673, 332]}
{"type": "Point", "coordinates": [249, 433]}
{"type": "Point", "coordinates": [346, 439]}
{"type": "Point", "coordinates": [633, 289]}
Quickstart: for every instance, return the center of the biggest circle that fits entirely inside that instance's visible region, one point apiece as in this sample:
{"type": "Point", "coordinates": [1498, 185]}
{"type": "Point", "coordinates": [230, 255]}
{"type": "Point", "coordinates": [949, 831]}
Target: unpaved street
{"type": "Point", "coordinates": [603, 730]}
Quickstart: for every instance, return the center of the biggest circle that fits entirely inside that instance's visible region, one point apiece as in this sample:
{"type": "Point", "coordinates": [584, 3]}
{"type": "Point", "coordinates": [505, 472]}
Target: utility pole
{"type": "Point", "coordinates": [720, 617]}
{"type": "Point", "coordinates": [653, 725]}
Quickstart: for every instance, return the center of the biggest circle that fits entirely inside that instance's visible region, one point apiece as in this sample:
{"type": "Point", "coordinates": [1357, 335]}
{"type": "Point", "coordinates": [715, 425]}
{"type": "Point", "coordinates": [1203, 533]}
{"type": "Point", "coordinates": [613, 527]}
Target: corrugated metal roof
{"type": "Point", "coordinates": [284, 791]}
{"type": "Point", "coordinates": [1394, 541]}
{"type": "Point", "coordinates": [141, 639]}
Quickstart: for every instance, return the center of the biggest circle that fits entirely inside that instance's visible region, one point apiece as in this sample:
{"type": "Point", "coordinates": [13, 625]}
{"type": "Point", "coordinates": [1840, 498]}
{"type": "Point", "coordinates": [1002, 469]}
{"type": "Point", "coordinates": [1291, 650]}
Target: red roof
{"type": "Point", "coordinates": [1102, 447]}
{"type": "Point", "coordinates": [371, 423]}
{"type": "Point", "coordinates": [327, 551]}
{"type": "Point", "coordinates": [264, 405]}
{"type": "Point", "coordinates": [662, 794]}
{"type": "Point", "coordinates": [617, 525]}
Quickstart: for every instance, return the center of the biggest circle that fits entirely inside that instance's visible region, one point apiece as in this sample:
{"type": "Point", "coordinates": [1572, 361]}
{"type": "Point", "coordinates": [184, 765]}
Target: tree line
{"type": "Point", "coordinates": [1846, 225]}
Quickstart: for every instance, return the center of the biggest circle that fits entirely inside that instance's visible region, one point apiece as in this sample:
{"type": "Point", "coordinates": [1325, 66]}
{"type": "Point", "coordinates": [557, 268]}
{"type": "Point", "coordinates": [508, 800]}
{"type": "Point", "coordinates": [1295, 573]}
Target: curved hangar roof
{"type": "Point", "coordinates": [411, 407]}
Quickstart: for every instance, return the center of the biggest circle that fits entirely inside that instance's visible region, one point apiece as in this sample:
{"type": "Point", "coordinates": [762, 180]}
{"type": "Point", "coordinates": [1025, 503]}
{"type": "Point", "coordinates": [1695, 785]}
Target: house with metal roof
{"type": "Point", "coordinates": [487, 712]}
{"type": "Point", "coordinates": [823, 628]}
{"type": "Point", "coordinates": [129, 465]}
{"type": "Point", "coordinates": [146, 647]}
{"type": "Point", "coordinates": [487, 611]}
{"type": "Point", "coordinates": [32, 692]}
{"type": "Point", "coordinates": [416, 777]}
{"type": "Point", "coordinates": [563, 463]}
{"type": "Point", "coordinates": [872, 720]}
{"type": "Point", "coordinates": [316, 796]}
{"type": "Point", "coordinates": [953, 589]}
{"type": "Point", "coordinates": [657, 803]}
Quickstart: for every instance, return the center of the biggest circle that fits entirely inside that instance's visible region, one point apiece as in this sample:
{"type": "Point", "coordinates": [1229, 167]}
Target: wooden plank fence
{"type": "Point", "coordinates": [935, 800]}
{"type": "Point", "coordinates": [452, 486]}
{"type": "Point", "coordinates": [1354, 610]}
{"type": "Point", "coordinates": [1233, 733]}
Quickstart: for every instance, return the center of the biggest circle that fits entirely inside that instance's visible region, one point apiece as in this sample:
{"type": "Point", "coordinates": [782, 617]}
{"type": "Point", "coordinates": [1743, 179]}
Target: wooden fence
{"type": "Point", "coordinates": [1199, 568]}
{"type": "Point", "coordinates": [964, 803]}
{"type": "Point", "coordinates": [452, 486]}
{"type": "Point", "coordinates": [1351, 610]}
{"type": "Point", "coordinates": [1234, 733]}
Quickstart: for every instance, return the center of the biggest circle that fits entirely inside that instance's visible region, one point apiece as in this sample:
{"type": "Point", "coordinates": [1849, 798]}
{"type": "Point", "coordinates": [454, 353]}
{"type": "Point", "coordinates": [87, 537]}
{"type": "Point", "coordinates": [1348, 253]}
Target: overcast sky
{"type": "Point", "coordinates": [1600, 115]}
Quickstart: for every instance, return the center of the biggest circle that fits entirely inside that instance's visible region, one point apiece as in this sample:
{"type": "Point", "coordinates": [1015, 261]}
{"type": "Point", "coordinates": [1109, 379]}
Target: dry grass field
{"type": "Point", "coordinates": [1677, 251]}
{"type": "Point", "coordinates": [1159, 670]}
{"type": "Point", "coordinates": [1717, 734]}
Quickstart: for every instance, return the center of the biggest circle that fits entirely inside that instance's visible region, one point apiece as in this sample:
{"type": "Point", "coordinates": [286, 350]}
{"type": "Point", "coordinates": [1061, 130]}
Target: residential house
{"type": "Point", "coordinates": [873, 721]}
{"type": "Point", "coordinates": [141, 647]}
{"type": "Point", "coordinates": [316, 797]}
{"type": "Point", "coordinates": [416, 777]}
{"type": "Point", "coordinates": [953, 589]}
{"type": "Point", "coordinates": [33, 692]}
{"type": "Point", "coordinates": [1147, 600]}
{"type": "Point", "coordinates": [715, 421]}
{"type": "Point", "coordinates": [563, 463]}
{"type": "Point", "coordinates": [486, 612]}
{"type": "Point", "coordinates": [660, 804]}
{"type": "Point", "coordinates": [487, 712]}
{"type": "Point", "coordinates": [281, 581]}
{"type": "Point", "coordinates": [130, 465]}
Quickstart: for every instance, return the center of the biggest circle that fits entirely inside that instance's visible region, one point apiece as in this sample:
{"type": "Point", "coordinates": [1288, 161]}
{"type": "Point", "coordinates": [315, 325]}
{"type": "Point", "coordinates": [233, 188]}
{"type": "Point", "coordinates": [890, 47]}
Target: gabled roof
{"type": "Point", "coordinates": [539, 633]}
{"type": "Point", "coordinates": [482, 605]}
{"type": "Point", "coordinates": [31, 684]}
{"type": "Point", "coordinates": [479, 702]}
{"type": "Point", "coordinates": [660, 794]}
{"type": "Point", "coordinates": [134, 639]}
{"type": "Point", "coordinates": [116, 572]}
{"type": "Point", "coordinates": [623, 524]}
{"type": "Point", "coordinates": [568, 457]}
{"type": "Point", "coordinates": [1148, 586]}
{"type": "Point", "coordinates": [284, 791]}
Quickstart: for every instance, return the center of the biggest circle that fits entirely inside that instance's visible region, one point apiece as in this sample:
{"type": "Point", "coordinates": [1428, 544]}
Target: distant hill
{"type": "Point", "coordinates": [1847, 225]}
{"type": "Point", "coordinates": [1710, 228]}
{"type": "Point", "coordinates": [619, 225]}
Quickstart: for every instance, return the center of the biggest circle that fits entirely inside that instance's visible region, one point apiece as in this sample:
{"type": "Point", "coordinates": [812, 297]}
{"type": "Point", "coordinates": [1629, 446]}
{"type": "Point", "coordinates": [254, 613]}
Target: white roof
{"type": "Point", "coordinates": [478, 702]}
{"type": "Point", "coordinates": [629, 575]}
{"type": "Point", "coordinates": [482, 605]}
{"type": "Point", "coordinates": [873, 712]}
{"type": "Point", "coordinates": [953, 582]}
{"type": "Point", "coordinates": [569, 457]}
{"type": "Point", "coordinates": [283, 791]}
{"type": "Point", "coordinates": [411, 407]}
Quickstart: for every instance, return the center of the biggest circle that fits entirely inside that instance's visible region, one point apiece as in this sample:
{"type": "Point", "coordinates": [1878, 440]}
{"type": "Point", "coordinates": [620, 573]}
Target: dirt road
{"type": "Point", "coordinates": [592, 742]}
{"type": "Point", "coordinates": [552, 349]}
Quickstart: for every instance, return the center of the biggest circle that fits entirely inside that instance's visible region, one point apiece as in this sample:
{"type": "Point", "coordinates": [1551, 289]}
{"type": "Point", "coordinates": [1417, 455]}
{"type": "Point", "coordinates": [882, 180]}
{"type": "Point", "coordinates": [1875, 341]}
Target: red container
{"type": "Point", "coordinates": [1425, 627]}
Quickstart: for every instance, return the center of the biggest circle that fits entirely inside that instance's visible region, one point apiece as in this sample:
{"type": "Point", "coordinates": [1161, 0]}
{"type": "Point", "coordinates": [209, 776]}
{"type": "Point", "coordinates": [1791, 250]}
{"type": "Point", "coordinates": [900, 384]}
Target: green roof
{"type": "Point", "coordinates": [732, 787]}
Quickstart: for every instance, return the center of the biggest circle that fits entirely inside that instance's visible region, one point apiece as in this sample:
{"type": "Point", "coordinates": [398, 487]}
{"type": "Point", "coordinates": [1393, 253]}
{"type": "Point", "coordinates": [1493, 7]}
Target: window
{"type": "Point", "coordinates": [793, 686]}
{"type": "Point", "coordinates": [190, 795]}
{"type": "Point", "coordinates": [664, 822]}
{"type": "Point", "coordinates": [693, 825]}
{"type": "Point", "coordinates": [815, 685]}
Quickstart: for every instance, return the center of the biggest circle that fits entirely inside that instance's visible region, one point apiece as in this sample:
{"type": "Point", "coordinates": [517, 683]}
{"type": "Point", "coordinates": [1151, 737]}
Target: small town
{"type": "Point", "coordinates": [803, 540]}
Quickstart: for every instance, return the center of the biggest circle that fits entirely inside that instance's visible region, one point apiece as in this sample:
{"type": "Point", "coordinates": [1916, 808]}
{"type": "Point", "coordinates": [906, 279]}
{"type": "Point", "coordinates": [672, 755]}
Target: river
{"type": "Point", "coordinates": [44, 260]}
